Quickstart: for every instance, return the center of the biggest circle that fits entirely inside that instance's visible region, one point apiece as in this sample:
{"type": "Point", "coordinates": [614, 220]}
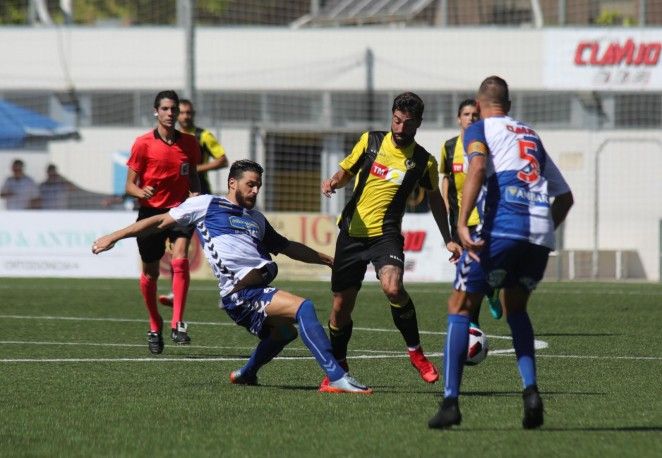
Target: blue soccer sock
{"type": "Point", "coordinates": [265, 351]}
{"type": "Point", "coordinates": [455, 353]}
{"type": "Point", "coordinates": [522, 332]}
{"type": "Point", "coordinates": [318, 343]}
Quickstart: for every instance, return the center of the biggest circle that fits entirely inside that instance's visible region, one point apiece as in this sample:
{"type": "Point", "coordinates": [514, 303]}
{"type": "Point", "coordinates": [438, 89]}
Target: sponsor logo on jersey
{"type": "Point", "coordinates": [378, 170]}
{"type": "Point", "coordinates": [383, 172]}
{"type": "Point", "coordinates": [458, 167]}
{"type": "Point", "coordinates": [521, 196]}
{"type": "Point", "coordinates": [244, 225]}
{"type": "Point", "coordinates": [409, 164]}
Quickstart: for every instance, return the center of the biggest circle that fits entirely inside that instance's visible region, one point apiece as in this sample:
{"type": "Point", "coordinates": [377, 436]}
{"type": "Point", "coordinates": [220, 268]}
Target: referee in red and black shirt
{"type": "Point", "coordinates": [161, 174]}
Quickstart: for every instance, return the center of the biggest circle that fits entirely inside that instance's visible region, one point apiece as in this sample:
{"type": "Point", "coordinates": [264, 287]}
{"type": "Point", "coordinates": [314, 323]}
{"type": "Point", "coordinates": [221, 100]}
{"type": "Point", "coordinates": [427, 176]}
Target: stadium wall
{"type": "Point", "coordinates": [627, 203]}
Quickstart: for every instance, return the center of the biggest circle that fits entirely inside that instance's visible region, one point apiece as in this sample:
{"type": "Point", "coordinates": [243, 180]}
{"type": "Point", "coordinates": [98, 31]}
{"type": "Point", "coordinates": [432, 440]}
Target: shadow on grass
{"type": "Point", "coordinates": [643, 429]}
{"type": "Point", "coordinates": [577, 334]}
{"type": "Point", "coordinates": [543, 429]}
{"type": "Point", "coordinates": [290, 387]}
{"type": "Point", "coordinates": [519, 393]}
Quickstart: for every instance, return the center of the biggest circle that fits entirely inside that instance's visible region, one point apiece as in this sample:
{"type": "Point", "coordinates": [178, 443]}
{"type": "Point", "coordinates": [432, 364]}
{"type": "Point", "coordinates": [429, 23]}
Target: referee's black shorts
{"type": "Point", "coordinates": [354, 253]}
{"type": "Point", "coordinates": [152, 247]}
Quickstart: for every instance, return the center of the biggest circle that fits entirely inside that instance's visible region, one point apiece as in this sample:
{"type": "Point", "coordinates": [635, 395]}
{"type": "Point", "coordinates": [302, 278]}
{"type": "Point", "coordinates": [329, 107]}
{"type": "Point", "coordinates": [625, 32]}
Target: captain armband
{"type": "Point", "coordinates": [475, 148]}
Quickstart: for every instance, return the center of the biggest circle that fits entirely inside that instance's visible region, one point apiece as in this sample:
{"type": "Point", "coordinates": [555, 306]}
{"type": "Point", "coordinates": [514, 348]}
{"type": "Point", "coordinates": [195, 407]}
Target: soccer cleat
{"type": "Point", "coordinates": [346, 384]}
{"type": "Point", "coordinates": [447, 416]}
{"type": "Point", "coordinates": [495, 305]}
{"type": "Point", "coordinates": [533, 411]}
{"type": "Point", "coordinates": [237, 378]}
{"type": "Point", "coordinates": [325, 380]}
{"type": "Point", "coordinates": [425, 368]}
{"type": "Point", "coordinates": [155, 342]}
{"type": "Point", "coordinates": [179, 334]}
{"type": "Point", "coordinates": [166, 299]}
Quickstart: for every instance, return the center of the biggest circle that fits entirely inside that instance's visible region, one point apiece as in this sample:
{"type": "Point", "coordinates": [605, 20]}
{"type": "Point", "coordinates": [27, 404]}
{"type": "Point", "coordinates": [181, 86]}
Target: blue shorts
{"type": "Point", "coordinates": [508, 263]}
{"type": "Point", "coordinates": [247, 308]}
{"type": "Point", "coordinates": [469, 276]}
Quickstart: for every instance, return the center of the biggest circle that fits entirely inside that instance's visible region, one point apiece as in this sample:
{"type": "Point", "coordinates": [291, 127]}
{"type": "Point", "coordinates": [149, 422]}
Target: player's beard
{"type": "Point", "coordinates": [245, 201]}
{"type": "Point", "coordinates": [402, 140]}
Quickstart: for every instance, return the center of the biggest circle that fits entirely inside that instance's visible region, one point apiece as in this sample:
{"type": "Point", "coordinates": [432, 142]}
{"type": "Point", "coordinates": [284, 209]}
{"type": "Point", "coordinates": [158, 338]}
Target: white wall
{"type": "Point", "coordinates": [426, 59]}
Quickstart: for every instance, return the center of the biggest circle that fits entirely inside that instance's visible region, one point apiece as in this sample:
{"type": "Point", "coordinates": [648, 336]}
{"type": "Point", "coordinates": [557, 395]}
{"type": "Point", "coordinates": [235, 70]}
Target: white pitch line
{"type": "Point", "coordinates": [117, 320]}
{"type": "Point", "coordinates": [160, 359]}
{"type": "Point", "coordinates": [444, 289]}
{"type": "Point", "coordinates": [200, 323]}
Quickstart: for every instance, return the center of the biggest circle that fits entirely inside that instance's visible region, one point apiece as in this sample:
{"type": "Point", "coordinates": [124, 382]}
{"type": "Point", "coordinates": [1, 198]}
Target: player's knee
{"type": "Point", "coordinates": [395, 294]}
{"type": "Point", "coordinates": [306, 309]}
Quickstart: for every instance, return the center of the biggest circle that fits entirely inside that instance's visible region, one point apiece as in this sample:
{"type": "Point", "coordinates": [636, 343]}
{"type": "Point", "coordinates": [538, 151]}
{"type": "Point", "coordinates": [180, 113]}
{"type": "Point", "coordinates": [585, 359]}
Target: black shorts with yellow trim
{"type": "Point", "coordinates": [354, 253]}
{"type": "Point", "coordinates": [152, 247]}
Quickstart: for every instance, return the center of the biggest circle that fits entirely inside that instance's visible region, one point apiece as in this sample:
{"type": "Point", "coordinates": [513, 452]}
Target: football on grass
{"type": "Point", "coordinates": [477, 347]}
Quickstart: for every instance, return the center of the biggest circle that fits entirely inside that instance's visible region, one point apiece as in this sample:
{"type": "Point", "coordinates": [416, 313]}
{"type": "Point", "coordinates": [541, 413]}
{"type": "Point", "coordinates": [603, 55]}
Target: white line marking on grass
{"type": "Point", "coordinates": [202, 323]}
{"type": "Point", "coordinates": [580, 288]}
{"type": "Point", "coordinates": [189, 359]}
{"type": "Point", "coordinates": [118, 320]}
{"type": "Point", "coordinates": [538, 344]}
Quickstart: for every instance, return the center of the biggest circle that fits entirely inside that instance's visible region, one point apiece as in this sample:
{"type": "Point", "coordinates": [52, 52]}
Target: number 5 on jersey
{"type": "Point", "coordinates": [530, 173]}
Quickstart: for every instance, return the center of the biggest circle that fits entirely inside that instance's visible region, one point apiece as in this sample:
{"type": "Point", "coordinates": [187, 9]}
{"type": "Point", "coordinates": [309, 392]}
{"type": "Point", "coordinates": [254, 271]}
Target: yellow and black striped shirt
{"type": "Point", "coordinates": [453, 165]}
{"type": "Point", "coordinates": [385, 177]}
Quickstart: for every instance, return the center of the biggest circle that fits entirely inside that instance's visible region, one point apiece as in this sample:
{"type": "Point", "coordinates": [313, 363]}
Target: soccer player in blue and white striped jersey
{"type": "Point", "coordinates": [238, 240]}
{"type": "Point", "coordinates": [525, 199]}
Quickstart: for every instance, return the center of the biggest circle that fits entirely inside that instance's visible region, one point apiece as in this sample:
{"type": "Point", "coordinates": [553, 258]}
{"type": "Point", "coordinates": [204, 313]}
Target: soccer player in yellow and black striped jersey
{"type": "Point", "coordinates": [212, 152]}
{"type": "Point", "coordinates": [470, 284]}
{"type": "Point", "coordinates": [387, 167]}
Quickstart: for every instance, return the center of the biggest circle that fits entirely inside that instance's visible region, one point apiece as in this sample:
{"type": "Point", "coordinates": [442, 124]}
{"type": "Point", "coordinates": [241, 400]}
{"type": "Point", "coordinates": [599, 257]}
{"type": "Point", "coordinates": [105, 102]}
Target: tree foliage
{"type": "Point", "coordinates": [161, 12]}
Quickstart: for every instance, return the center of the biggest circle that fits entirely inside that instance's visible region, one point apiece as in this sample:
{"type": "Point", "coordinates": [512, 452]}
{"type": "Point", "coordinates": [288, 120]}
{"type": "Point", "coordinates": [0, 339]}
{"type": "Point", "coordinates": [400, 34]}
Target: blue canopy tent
{"type": "Point", "coordinates": [19, 124]}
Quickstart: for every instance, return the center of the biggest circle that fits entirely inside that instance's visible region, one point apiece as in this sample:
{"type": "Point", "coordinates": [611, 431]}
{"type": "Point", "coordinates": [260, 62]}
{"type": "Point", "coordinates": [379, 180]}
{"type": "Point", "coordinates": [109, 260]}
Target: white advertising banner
{"type": "Point", "coordinates": [58, 244]}
{"type": "Point", "coordinates": [426, 257]}
{"type": "Point", "coordinates": [38, 243]}
{"type": "Point", "coordinates": [598, 59]}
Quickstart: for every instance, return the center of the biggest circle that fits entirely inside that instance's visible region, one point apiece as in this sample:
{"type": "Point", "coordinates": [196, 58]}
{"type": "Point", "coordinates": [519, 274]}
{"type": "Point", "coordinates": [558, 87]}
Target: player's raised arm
{"type": "Point", "coordinates": [145, 226]}
{"type": "Point", "coordinates": [300, 252]}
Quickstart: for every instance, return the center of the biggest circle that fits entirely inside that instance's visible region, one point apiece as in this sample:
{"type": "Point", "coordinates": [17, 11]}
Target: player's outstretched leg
{"type": "Point", "coordinates": [268, 348]}
{"type": "Point", "coordinates": [318, 343]}
{"type": "Point", "coordinates": [404, 318]}
{"type": "Point", "coordinates": [339, 338]}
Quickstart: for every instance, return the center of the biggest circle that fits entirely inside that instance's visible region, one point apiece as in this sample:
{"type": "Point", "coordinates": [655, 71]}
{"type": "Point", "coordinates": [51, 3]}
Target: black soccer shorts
{"type": "Point", "coordinates": [354, 253]}
{"type": "Point", "coordinates": [152, 247]}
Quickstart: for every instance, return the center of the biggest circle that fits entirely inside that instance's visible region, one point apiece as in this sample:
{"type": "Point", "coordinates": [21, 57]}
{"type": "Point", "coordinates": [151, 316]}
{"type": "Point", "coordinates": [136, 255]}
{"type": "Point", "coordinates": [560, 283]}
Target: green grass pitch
{"type": "Point", "coordinates": [77, 379]}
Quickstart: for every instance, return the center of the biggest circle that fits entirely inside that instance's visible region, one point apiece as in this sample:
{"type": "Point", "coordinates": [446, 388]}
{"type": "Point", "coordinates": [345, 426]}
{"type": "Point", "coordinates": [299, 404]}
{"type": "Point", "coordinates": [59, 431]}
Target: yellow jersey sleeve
{"type": "Point", "coordinates": [215, 149]}
{"type": "Point", "coordinates": [442, 160]}
{"type": "Point", "coordinates": [430, 179]}
{"type": "Point", "coordinates": [353, 161]}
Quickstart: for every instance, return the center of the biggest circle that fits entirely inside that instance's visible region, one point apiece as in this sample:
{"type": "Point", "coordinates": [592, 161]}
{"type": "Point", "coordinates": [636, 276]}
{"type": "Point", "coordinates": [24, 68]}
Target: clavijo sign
{"type": "Point", "coordinates": [609, 53]}
{"type": "Point", "coordinates": [590, 59]}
